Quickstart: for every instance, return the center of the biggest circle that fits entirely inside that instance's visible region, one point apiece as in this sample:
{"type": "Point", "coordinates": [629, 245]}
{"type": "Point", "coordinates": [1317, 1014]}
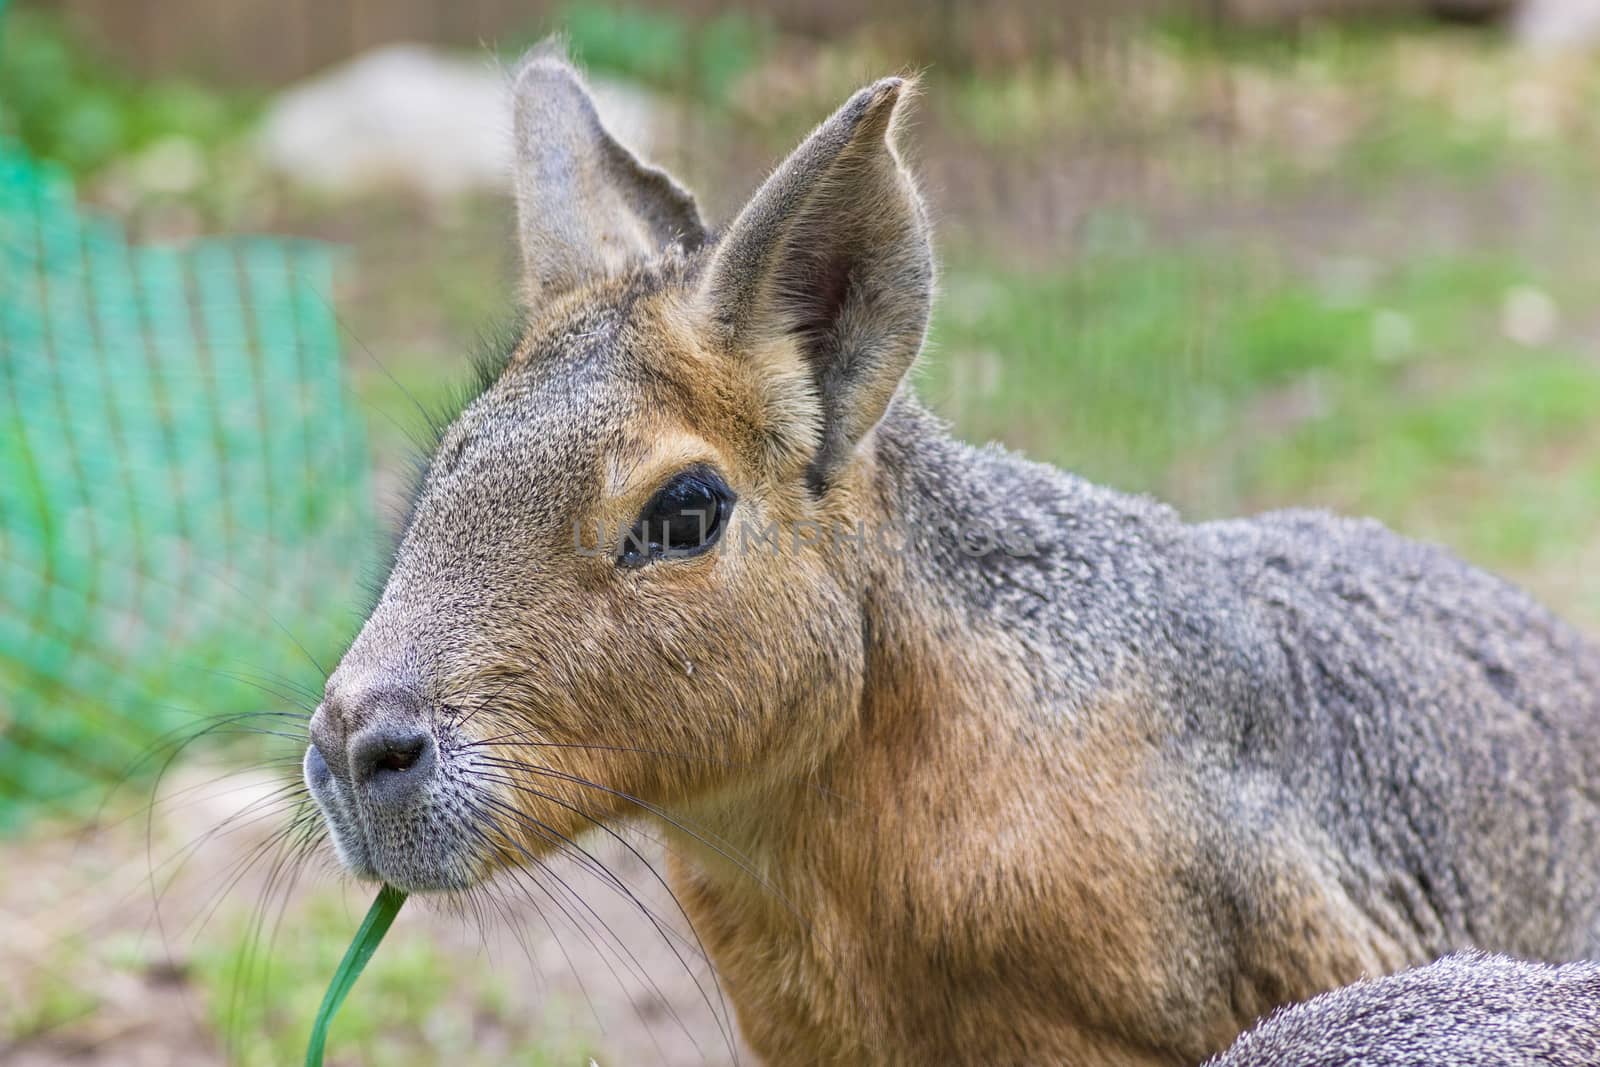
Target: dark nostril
{"type": "Point", "coordinates": [392, 760]}
{"type": "Point", "coordinates": [401, 755]}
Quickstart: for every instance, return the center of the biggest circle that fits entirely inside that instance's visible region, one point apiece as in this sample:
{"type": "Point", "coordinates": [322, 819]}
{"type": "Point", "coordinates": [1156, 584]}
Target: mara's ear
{"type": "Point", "coordinates": [586, 206]}
{"type": "Point", "coordinates": [831, 261]}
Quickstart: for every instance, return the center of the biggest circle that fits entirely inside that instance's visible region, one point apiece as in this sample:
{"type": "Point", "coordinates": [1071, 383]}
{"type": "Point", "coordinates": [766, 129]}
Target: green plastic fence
{"type": "Point", "coordinates": [184, 491]}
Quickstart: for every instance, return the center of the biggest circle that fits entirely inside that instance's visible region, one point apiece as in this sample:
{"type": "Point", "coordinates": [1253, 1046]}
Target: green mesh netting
{"type": "Point", "coordinates": [183, 487]}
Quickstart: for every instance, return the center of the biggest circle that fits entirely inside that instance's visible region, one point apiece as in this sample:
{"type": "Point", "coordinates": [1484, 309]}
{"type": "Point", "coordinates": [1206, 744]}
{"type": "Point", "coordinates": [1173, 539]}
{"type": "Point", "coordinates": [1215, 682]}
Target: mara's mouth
{"type": "Point", "coordinates": [397, 813]}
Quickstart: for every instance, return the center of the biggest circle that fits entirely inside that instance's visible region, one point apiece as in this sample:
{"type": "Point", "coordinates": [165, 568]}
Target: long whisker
{"type": "Point", "coordinates": [285, 689]}
{"type": "Point", "coordinates": [711, 841]}
{"type": "Point", "coordinates": [583, 987]}
{"type": "Point", "coordinates": [257, 812]}
{"type": "Point", "coordinates": [586, 861]}
{"type": "Point", "coordinates": [284, 874]}
{"type": "Point", "coordinates": [550, 834]}
{"type": "Point", "coordinates": [460, 721]}
{"type": "Point", "coordinates": [662, 882]}
{"type": "Point", "coordinates": [221, 577]}
{"type": "Point", "coordinates": [742, 863]}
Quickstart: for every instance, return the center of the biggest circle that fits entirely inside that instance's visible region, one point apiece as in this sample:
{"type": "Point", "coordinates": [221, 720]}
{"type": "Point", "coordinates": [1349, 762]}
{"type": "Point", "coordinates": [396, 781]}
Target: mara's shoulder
{"type": "Point", "coordinates": [1296, 556]}
{"type": "Point", "coordinates": [1309, 540]}
{"type": "Point", "coordinates": [1356, 581]}
{"type": "Point", "coordinates": [1320, 548]}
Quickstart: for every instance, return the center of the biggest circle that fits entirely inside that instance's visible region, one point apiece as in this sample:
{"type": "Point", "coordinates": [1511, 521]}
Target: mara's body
{"type": "Point", "coordinates": [1109, 800]}
{"type": "Point", "coordinates": [965, 760]}
{"type": "Point", "coordinates": [1486, 1011]}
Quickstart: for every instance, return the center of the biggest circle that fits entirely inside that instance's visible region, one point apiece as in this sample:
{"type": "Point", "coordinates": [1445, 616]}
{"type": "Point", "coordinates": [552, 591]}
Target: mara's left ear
{"type": "Point", "coordinates": [831, 261]}
{"type": "Point", "coordinates": [586, 206]}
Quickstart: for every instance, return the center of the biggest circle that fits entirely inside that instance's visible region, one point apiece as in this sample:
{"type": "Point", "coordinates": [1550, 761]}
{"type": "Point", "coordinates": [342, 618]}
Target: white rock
{"type": "Point", "coordinates": [1554, 25]}
{"type": "Point", "coordinates": [408, 117]}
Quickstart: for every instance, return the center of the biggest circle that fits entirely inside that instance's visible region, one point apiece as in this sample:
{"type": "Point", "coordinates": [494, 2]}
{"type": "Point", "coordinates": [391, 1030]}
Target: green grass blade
{"type": "Point", "coordinates": [373, 927]}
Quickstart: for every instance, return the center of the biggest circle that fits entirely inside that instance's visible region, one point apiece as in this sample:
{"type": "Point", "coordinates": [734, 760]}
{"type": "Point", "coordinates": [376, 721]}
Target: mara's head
{"type": "Point", "coordinates": [619, 588]}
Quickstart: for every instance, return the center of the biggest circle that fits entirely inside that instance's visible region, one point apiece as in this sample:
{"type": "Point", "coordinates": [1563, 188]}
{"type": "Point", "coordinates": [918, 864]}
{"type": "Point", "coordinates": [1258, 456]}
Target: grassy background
{"type": "Point", "coordinates": [1350, 269]}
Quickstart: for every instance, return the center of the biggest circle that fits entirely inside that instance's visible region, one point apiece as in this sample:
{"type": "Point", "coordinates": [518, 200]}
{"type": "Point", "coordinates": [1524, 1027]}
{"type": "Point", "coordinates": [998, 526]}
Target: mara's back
{"type": "Point", "coordinates": [1423, 729]}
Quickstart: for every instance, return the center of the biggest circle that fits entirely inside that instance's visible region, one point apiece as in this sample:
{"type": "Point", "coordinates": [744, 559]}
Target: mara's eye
{"type": "Point", "coordinates": [684, 518]}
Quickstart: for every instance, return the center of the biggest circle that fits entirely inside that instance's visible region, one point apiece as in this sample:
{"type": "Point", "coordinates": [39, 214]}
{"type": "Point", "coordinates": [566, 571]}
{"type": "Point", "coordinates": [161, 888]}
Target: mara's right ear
{"type": "Point", "coordinates": [829, 271]}
{"type": "Point", "coordinates": [586, 206]}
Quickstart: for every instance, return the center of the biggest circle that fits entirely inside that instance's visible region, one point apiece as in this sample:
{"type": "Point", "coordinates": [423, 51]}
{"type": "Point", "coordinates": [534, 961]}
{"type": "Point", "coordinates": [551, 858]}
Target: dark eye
{"type": "Point", "coordinates": [684, 518]}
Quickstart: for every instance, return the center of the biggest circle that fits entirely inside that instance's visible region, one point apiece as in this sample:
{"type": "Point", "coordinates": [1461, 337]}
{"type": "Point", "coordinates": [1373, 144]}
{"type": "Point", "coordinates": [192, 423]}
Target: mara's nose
{"type": "Point", "coordinates": [376, 739]}
{"type": "Point", "coordinates": [391, 763]}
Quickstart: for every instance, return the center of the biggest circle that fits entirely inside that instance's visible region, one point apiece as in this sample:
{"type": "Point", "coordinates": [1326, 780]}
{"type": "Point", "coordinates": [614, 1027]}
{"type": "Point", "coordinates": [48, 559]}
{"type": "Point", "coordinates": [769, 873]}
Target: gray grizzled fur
{"type": "Point", "coordinates": [1435, 723]}
{"type": "Point", "coordinates": [1106, 796]}
{"type": "Point", "coordinates": [1468, 1009]}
